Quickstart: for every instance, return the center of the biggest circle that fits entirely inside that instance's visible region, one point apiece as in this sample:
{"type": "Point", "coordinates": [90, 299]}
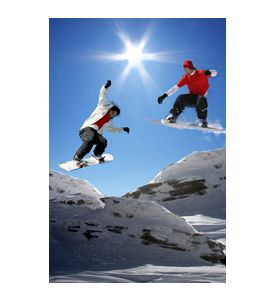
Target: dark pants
{"type": "Point", "coordinates": [190, 100]}
{"type": "Point", "coordinates": [90, 137]}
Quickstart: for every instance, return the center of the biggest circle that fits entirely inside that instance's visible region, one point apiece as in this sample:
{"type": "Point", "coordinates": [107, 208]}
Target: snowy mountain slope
{"type": "Point", "coordinates": [71, 190]}
{"type": "Point", "coordinates": [212, 227]}
{"type": "Point", "coordinates": [195, 185]}
{"type": "Point", "coordinates": [125, 233]}
{"type": "Point", "coordinates": [145, 235]}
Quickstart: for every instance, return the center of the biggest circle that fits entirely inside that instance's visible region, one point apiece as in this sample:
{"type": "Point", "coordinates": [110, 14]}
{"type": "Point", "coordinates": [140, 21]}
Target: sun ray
{"type": "Point", "coordinates": [147, 78]}
{"type": "Point", "coordinates": [134, 54]}
{"type": "Point", "coordinates": [122, 78]}
{"type": "Point", "coordinates": [106, 56]}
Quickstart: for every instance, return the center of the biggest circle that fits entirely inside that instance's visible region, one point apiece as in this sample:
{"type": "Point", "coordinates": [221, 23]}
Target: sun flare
{"type": "Point", "coordinates": [133, 54]}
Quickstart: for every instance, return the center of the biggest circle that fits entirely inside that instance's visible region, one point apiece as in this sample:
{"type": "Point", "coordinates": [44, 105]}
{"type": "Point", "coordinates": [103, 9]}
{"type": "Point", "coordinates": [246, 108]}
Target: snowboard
{"type": "Point", "coordinates": [180, 125]}
{"type": "Point", "coordinates": [74, 165]}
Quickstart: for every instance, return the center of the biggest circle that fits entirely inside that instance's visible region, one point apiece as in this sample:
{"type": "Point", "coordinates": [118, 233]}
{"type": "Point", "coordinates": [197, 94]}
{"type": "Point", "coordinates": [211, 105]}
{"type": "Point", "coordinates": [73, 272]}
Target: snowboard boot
{"type": "Point", "coordinates": [77, 158]}
{"type": "Point", "coordinates": [171, 119]}
{"type": "Point", "coordinates": [204, 123]}
{"type": "Point", "coordinates": [100, 158]}
{"type": "Point", "coordinates": [79, 162]}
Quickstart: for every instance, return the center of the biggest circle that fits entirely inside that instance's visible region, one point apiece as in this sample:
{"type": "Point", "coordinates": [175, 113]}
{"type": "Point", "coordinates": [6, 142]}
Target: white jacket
{"type": "Point", "coordinates": [100, 111]}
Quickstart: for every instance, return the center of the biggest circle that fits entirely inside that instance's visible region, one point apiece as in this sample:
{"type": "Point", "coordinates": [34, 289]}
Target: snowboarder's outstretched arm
{"type": "Point", "coordinates": [111, 128]}
{"type": "Point", "coordinates": [170, 92]}
{"type": "Point", "coordinates": [103, 93]}
{"type": "Point", "coordinates": [173, 89]}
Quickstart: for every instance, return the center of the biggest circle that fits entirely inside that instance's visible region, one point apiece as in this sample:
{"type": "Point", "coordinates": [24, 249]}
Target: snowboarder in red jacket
{"type": "Point", "coordinates": [197, 83]}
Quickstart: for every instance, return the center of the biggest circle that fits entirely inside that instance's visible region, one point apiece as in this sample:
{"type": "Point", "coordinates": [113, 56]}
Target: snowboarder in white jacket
{"type": "Point", "coordinates": [92, 129]}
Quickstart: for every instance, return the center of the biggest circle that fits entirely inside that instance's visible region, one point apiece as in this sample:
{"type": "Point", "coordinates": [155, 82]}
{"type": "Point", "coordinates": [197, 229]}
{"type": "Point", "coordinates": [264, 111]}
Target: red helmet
{"type": "Point", "coordinates": [188, 64]}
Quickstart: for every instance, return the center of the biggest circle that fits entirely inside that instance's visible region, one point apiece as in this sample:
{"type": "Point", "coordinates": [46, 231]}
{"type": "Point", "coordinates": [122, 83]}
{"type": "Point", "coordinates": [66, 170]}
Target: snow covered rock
{"type": "Point", "coordinates": [69, 190]}
{"type": "Point", "coordinates": [196, 184]}
{"type": "Point", "coordinates": [107, 233]}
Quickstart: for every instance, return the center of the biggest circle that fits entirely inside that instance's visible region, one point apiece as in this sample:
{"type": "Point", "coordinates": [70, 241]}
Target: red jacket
{"type": "Point", "coordinates": [99, 123]}
{"type": "Point", "coordinates": [196, 83]}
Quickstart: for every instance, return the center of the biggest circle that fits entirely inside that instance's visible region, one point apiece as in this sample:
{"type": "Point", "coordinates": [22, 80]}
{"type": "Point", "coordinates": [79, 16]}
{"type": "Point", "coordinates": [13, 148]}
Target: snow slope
{"type": "Point", "coordinates": [149, 274]}
{"type": "Point", "coordinates": [125, 233]}
{"type": "Point", "coordinates": [71, 190]}
{"type": "Point", "coordinates": [195, 185]}
{"type": "Point", "coordinates": [135, 238]}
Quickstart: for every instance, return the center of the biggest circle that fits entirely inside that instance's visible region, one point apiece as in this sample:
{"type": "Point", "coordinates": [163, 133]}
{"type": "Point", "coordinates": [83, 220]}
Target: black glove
{"type": "Point", "coordinates": [161, 98]}
{"type": "Point", "coordinates": [126, 129]}
{"type": "Point", "coordinates": [207, 73]}
{"type": "Point", "coordinates": [108, 84]}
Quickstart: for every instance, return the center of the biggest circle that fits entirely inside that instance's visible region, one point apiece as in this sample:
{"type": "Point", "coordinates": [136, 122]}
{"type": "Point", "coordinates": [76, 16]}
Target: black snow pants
{"type": "Point", "coordinates": [91, 137]}
{"type": "Point", "coordinates": [190, 100]}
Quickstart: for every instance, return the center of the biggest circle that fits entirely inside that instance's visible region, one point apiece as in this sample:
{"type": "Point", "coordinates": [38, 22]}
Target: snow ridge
{"type": "Point", "coordinates": [196, 184]}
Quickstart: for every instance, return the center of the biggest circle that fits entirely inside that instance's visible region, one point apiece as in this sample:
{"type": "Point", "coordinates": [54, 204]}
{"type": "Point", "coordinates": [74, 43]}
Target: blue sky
{"type": "Point", "coordinates": [81, 61]}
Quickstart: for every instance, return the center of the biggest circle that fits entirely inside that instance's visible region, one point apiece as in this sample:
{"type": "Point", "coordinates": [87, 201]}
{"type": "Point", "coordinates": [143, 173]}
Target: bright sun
{"type": "Point", "coordinates": [133, 54]}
